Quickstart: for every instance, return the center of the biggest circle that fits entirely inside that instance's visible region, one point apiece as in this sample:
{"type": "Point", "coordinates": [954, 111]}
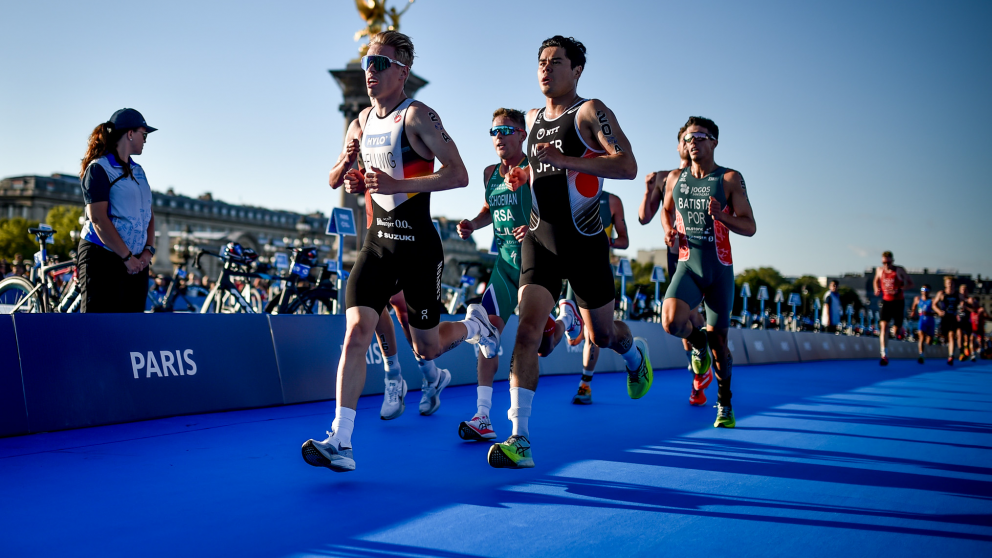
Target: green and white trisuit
{"type": "Point", "coordinates": [509, 209]}
{"type": "Point", "coordinates": [705, 271]}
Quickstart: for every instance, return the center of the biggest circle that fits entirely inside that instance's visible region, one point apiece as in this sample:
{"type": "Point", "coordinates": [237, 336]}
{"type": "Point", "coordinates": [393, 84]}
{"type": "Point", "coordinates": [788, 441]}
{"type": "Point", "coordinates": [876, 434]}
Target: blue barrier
{"type": "Point", "coordinates": [13, 415]}
{"type": "Point", "coordinates": [128, 367]}
{"type": "Point", "coordinates": [114, 368]}
{"type": "Point", "coordinates": [308, 349]}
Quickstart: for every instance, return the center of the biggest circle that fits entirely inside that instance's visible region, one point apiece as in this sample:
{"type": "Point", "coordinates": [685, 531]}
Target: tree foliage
{"type": "Point", "coordinates": [14, 238]}
{"type": "Point", "coordinates": [64, 219]}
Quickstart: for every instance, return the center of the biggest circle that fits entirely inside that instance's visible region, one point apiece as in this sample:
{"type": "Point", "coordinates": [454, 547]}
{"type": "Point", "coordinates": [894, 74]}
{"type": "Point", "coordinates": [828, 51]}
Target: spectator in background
{"type": "Point", "coordinates": [115, 250]}
{"type": "Point", "coordinates": [831, 309]}
{"type": "Point", "coordinates": [4, 268]}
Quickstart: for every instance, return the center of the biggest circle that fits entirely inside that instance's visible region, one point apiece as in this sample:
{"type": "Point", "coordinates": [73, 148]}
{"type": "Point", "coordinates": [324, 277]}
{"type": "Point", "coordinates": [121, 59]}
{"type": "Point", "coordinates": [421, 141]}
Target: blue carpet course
{"type": "Point", "coordinates": [828, 459]}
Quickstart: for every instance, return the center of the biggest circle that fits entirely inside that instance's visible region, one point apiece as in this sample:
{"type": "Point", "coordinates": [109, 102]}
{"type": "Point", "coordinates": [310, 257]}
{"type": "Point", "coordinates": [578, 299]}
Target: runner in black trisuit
{"type": "Point", "coordinates": [398, 140]}
{"type": "Point", "coordinates": [573, 144]}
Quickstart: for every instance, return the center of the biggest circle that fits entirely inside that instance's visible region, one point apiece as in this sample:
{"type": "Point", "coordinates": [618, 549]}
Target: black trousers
{"type": "Point", "coordinates": [104, 283]}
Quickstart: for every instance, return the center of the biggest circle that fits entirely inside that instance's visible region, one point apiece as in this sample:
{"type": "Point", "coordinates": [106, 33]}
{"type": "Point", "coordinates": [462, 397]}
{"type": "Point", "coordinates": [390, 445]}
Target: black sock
{"type": "Point", "coordinates": [697, 339]}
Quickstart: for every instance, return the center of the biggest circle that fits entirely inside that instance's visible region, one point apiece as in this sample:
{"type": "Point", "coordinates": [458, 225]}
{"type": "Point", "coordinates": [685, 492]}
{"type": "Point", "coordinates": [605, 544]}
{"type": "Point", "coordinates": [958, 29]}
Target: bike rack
{"type": "Point", "coordinates": [657, 277]}
{"type": "Point", "coordinates": [341, 224]}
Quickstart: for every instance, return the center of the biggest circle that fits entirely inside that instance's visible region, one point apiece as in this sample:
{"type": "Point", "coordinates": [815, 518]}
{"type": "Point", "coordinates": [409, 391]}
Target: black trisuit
{"type": "Point", "coordinates": [566, 239]}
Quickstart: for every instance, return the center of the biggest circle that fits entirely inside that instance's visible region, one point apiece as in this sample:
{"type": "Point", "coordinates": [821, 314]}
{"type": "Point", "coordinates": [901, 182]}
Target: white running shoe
{"type": "Point", "coordinates": [574, 333]}
{"type": "Point", "coordinates": [393, 403]}
{"type": "Point", "coordinates": [430, 399]}
{"type": "Point", "coordinates": [479, 429]}
{"type": "Point", "coordinates": [330, 454]}
{"type": "Point", "coordinates": [488, 337]}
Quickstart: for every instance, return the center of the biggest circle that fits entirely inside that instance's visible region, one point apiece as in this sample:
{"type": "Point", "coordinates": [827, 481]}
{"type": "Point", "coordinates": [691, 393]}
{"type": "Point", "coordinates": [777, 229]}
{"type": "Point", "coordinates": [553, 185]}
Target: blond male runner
{"type": "Point", "coordinates": [398, 139]}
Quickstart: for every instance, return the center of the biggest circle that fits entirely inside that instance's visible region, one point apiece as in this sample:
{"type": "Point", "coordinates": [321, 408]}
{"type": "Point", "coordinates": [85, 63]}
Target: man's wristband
{"type": "Point", "coordinates": [150, 249]}
{"type": "Point", "coordinates": [128, 256]}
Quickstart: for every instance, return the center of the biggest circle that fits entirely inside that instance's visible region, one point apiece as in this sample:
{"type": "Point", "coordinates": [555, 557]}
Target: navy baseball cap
{"type": "Point", "coordinates": [127, 118]}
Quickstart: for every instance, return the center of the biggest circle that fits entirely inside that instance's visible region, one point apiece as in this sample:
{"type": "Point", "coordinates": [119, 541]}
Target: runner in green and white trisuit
{"type": "Point", "coordinates": [710, 201]}
{"type": "Point", "coordinates": [508, 210]}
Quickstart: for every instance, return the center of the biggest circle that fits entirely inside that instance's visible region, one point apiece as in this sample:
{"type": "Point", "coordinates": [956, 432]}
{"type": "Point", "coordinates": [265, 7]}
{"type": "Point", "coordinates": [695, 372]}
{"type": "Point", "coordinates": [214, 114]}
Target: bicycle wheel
{"type": "Point", "coordinates": [310, 303]}
{"type": "Point", "coordinates": [13, 290]}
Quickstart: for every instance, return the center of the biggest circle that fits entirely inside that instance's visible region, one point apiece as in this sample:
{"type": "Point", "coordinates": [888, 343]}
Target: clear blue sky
{"type": "Point", "coordinates": [859, 126]}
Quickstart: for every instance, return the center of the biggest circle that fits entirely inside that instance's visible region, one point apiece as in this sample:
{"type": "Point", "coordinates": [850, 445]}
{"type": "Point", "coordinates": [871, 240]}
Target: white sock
{"type": "Point", "coordinates": [566, 320]}
{"type": "Point", "coordinates": [474, 330]}
{"type": "Point", "coordinates": [632, 357]}
{"type": "Point", "coordinates": [883, 352]}
{"type": "Point", "coordinates": [392, 366]}
{"type": "Point", "coordinates": [344, 425]}
{"type": "Point", "coordinates": [428, 369]}
{"type": "Point", "coordinates": [521, 400]}
{"type": "Point", "coordinates": [484, 401]}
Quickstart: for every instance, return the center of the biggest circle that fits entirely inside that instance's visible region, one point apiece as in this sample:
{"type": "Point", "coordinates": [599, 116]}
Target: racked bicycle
{"type": "Point", "coordinates": [50, 288]}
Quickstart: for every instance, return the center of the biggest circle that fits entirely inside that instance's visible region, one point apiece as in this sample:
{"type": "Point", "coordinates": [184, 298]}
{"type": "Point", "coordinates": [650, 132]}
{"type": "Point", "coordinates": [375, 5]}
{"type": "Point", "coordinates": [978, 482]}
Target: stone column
{"type": "Point", "coordinates": [351, 80]}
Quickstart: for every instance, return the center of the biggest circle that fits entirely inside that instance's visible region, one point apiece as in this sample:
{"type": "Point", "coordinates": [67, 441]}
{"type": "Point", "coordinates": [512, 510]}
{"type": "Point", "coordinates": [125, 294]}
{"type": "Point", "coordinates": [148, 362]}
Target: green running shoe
{"type": "Point", "coordinates": [514, 453]}
{"type": "Point", "coordinates": [724, 417]}
{"type": "Point", "coordinates": [701, 360]}
{"type": "Point", "coordinates": [639, 381]}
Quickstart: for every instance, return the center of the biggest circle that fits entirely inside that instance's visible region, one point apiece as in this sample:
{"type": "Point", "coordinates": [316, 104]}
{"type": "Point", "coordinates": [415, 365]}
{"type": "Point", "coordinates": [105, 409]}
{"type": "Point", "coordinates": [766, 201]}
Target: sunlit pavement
{"type": "Point", "coordinates": [828, 459]}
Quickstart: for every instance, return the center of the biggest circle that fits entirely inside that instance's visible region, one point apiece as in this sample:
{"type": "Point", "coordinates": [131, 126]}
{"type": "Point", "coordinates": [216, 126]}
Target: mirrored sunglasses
{"type": "Point", "coordinates": [504, 130]}
{"type": "Point", "coordinates": [379, 62]}
{"type": "Point", "coordinates": [689, 138]}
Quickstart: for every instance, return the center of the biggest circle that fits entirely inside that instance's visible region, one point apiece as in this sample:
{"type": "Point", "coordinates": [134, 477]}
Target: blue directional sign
{"type": "Point", "coordinates": [437, 226]}
{"type": "Point", "coordinates": [746, 290]}
{"type": "Point", "coordinates": [762, 293]}
{"type": "Point", "coordinates": [623, 270]}
{"type": "Point", "coordinates": [658, 274]}
{"type": "Point", "coordinates": [342, 222]}
{"type": "Point", "coordinates": [494, 247]}
{"type": "Point", "coordinates": [778, 296]}
{"type": "Point", "coordinates": [795, 300]}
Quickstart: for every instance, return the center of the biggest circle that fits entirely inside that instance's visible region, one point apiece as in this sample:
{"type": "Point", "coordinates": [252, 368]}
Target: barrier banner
{"type": "Point", "coordinates": [769, 346]}
{"type": "Point", "coordinates": [808, 348]}
{"type": "Point", "coordinates": [872, 347]}
{"type": "Point", "coordinates": [783, 346]}
{"type": "Point", "coordinates": [113, 368]}
{"type": "Point", "coordinates": [844, 348]}
{"type": "Point", "coordinates": [826, 343]}
{"type": "Point", "coordinates": [735, 341]}
{"type": "Point", "coordinates": [308, 349]}
{"type": "Point", "coordinates": [13, 416]}
{"type": "Point", "coordinates": [666, 350]}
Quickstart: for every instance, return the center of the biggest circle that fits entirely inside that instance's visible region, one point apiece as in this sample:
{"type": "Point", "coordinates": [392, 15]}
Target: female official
{"type": "Point", "coordinates": [118, 237]}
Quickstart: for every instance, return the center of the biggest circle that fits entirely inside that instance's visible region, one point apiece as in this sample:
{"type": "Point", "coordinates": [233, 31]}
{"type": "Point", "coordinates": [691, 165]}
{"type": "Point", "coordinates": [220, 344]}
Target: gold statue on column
{"type": "Point", "coordinates": [374, 13]}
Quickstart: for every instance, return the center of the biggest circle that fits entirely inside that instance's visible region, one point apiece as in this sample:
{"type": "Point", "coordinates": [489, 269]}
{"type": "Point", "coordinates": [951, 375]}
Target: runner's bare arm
{"type": "Point", "coordinates": [598, 128]}
{"type": "Point", "coordinates": [916, 302]}
{"type": "Point", "coordinates": [429, 139]}
{"type": "Point", "coordinates": [653, 195]}
{"type": "Point", "coordinates": [349, 154]}
{"type": "Point", "coordinates": [937, 299]}
{"type": "Point", "coordinates": [485, 216]}
{"type": "Point", "coordinates": [742, 219]}
{"type": "Point", "coordinates": [907, 281]}
{"type": "Point", "coordinates": [621, 242]}
{"type": "Point", "coordinates": [876, 283]}
{"type": "Point", "coordinates": [668, 208]}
